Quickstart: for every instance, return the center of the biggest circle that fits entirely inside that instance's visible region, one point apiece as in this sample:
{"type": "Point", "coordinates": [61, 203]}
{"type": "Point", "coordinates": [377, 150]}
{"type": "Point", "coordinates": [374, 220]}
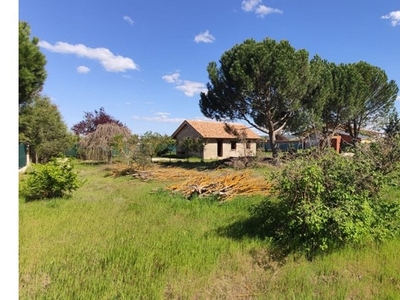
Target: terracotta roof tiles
{"type": "Point", "coordinates": [216, 129]}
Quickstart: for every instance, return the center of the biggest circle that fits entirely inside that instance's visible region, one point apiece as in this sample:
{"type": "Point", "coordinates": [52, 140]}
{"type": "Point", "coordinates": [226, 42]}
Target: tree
{"type": "Point", "coordinates": [392, 127]}
{"type": "Point", "coordinates": [98, 145]}
{"type": "Point", "coordinates": [32, 73]}
{"type": "Point", "coordinates": [92, 120]}
{"type": "Point", "coordinates": [192, 144]}
{"type": "Point", "coordinates": [261, 83]}
{"type": "Point", "coordinates": [338, 107]}
{"type": "Point", "coordinates": [153, 143]}
{"type": "Point", "coordinates": [360, 95]}
{"type": "Point", "coordinates": [374, 99]}
{"type": "Point", "coordinates": [126, 148]}
{"type": "Point", "coordinates": [309, 117]}
{"type": "Point", "coordinates": [41, 127]}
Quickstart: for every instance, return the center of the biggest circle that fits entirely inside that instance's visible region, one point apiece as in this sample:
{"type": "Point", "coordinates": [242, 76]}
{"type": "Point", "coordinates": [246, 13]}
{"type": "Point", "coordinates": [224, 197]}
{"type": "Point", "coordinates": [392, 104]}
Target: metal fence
{"type": "Point", "coordinates": [22, 156]}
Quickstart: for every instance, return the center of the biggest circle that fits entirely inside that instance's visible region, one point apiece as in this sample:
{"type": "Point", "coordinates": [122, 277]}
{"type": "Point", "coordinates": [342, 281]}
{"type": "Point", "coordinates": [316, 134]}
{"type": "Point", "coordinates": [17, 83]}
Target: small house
{"type": "Point", "coordinates": [221, 140]}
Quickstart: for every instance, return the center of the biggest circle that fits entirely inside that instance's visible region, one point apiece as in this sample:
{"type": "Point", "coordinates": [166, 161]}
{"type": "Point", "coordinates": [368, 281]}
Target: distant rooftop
{"type": "Point", "coordinates": [211, 129]}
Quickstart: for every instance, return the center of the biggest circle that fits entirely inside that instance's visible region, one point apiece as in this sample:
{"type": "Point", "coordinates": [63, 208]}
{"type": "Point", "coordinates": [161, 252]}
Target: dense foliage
{"type": "Point", "coordinates": [392, 127]}
{"type": "Point", "coordinates": [92, 120]}
{"type": "Point", "coordinates": [326, 202]}
{"type": "Point", "coordinates": [32, 73]}
{"type": "Point", "coordinates": [54, 179]}
{"type": "Point", "coordinates": [360, 94]}
{"type": "Point", "coordinates": [191, 145]}
{"type": "Point", "coordinates": [42, 128]}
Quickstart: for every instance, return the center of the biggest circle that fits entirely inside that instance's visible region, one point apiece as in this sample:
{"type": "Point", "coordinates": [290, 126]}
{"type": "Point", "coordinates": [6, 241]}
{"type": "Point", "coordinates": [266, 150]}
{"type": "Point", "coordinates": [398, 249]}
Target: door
{"type": "Point", "coordinates": [220, 148]}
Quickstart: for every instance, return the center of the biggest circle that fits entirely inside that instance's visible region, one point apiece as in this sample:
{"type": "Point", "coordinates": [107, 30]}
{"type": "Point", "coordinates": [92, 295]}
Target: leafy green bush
{"type": "Point", "coordinates": [56, 178]}
{"type": "Point", "coordinates": [325, 202]}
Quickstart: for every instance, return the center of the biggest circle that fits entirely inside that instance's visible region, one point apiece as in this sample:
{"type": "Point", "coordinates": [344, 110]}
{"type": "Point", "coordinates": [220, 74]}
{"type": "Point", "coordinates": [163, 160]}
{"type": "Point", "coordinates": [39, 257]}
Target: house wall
{"type": "Point", "coordinates": [186, 131]}
{"type": "Point", "coordinates": [211, 149]}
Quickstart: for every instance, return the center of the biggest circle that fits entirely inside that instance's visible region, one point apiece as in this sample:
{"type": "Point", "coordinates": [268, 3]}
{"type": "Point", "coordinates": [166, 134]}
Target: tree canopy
{"type": "Point", "coordinates": [392, 127]}
{"type": "Point", "coordinates": [41, 127]}
{"type": "Point", "coordinates": [261, 83]}
{"type": "Point", "coordinates": [92, 120]}
{"type": "Point", "coordinates": [275, 88]}
{"type": "Point", "coordinates": [32, 73]}
{"type": "Point", "coordinates": [360, 95]}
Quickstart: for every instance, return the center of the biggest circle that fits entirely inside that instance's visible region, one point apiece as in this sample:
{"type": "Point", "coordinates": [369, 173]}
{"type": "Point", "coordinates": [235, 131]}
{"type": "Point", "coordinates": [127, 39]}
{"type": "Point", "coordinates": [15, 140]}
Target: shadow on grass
{"type": "Point", "coordinates": [92, 162]}
{"type": "Point", "coordinates": [190, 165]}
{"type": "Point", "coordinates": [274, 254]}
{"type": "Point", "coordinates": [265, 223]}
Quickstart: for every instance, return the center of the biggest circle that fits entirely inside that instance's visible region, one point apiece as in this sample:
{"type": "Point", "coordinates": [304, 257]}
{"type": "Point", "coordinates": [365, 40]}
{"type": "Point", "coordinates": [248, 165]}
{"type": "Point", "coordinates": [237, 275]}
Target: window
{"type": "Point", "coordinates": [248, 145]}
{"type": "Point", "coordinates": [233, 145]}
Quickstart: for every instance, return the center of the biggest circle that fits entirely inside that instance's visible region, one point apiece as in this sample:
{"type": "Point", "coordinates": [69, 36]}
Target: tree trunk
{"type": "Point", "coordinates": [274, 147]}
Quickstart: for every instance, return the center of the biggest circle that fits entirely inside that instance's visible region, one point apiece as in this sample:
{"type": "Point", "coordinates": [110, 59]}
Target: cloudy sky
{"type": "Point", "coordinates": [145, 61]}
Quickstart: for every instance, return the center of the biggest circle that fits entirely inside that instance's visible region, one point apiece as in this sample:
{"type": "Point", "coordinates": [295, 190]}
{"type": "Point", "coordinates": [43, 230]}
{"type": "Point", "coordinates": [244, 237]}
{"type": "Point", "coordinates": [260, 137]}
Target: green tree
{"type": "Point", "coordinates": [360, 95]}
{"type": "Point", "coordinates": [126, 148]}
{"type": "Point", "coordinates": [41, 127]}
{"type": "Point", "coordinates": [374, 99]}
{"type": "Point", "coordinates": [153, 143]}
{"type": "Point", "coordinates": [339, 105]}
{"type": "Point", "coordinates": [392, 127]}
{"type": "Point", "coordinates": [309, 117]}
{"type": "Point", "coordinates": [192, 145]}
{"type": "Point", "coordinates": [261, 83]}
{"type": "Point", "coordinates": [32, 73]}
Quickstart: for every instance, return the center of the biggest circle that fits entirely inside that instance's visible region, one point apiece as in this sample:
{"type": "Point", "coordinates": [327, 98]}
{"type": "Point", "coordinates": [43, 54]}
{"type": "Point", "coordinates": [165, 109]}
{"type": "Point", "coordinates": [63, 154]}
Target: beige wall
{"type": "Point", "coordinates": [211, 149]}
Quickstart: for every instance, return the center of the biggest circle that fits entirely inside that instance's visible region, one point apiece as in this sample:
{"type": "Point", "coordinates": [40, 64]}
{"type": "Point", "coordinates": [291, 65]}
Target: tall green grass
{"type": "Point", "coordinates": [120, 238]}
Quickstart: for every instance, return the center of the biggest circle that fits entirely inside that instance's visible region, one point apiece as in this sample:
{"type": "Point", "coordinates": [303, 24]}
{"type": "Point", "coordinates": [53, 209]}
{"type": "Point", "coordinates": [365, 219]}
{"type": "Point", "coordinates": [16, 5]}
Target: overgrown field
{"type": "Point", "coordinates": [125, 238]}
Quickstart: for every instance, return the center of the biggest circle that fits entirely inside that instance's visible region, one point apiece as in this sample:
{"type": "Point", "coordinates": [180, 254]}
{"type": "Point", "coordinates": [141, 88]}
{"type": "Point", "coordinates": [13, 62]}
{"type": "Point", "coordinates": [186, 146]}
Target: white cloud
{"type": "Point", "coordinates": [263, 10]}
{"type": "Point", "coordinates": [160, 117]}
{"type": "Point", "coordinates": [172, 78]}
{"type": "Point", "coordinates": [394, 16]}
{"type": "Point", "coordinates": [398, 98]}
{"type": "Point", "coordinates": [189, 88]}
{"type": "Point", "coordinates": [128, 19]}
{"type": "Point", "coordinates": [111, 62]}
{"type": "Point", "coordinates": [83, 69]}
{"type": "Point", "coordinates": [250, 5]}
{"type": "Point", "coordinates": [204, 37]}
{"type": "Point", "coordinates": [258, 8]}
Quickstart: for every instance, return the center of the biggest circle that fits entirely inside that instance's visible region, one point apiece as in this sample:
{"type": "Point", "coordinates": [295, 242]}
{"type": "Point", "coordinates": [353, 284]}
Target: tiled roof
{"type": "Point", "coordinates": [216, 129]}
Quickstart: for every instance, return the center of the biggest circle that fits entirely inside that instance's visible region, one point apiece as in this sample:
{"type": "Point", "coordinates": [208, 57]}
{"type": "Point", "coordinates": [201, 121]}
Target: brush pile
{"type": "Point", "coordinates": [222, 185]}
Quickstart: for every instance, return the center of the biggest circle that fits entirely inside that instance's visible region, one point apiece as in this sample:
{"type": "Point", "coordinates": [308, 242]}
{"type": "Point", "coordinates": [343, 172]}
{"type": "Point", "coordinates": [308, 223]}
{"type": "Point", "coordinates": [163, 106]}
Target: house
{"type": "Point", "coordinates": [218, 142]}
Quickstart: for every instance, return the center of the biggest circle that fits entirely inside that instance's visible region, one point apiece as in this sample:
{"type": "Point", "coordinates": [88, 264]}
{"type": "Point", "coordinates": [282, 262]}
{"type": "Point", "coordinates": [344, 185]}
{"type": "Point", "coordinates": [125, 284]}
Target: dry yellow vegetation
{"type": "Point", "coordinates": [224, 184]}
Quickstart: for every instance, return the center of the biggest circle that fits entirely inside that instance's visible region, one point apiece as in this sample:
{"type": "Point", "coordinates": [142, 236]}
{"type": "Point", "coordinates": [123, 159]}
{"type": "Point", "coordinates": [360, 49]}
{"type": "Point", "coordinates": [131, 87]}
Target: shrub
{"type": "Point", "coordinates": [56, 178]}
{"type": "Point", "coordinates": [325, 202]}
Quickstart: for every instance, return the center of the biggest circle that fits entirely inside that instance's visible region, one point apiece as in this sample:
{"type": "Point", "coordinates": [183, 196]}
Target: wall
{"type": "Point", "coordinates": [211, 149]}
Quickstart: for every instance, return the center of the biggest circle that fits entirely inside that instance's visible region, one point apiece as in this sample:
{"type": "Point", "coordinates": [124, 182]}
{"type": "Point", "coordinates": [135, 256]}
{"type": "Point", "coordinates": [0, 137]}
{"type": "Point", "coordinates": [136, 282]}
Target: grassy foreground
{"type": "Point", "coordinates": [118, 238]}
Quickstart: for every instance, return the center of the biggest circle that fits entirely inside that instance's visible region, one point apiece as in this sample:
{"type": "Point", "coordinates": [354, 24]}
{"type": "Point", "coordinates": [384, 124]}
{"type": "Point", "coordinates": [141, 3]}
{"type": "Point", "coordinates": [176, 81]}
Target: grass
{"type": "Point", "coordinates": [120, 238]}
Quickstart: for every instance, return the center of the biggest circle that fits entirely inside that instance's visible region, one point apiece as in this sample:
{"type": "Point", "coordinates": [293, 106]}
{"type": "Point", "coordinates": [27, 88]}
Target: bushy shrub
{"type": "Point", "coordinates": [56, 178]}
{"type": "Point", "coordinates": [325, 202]}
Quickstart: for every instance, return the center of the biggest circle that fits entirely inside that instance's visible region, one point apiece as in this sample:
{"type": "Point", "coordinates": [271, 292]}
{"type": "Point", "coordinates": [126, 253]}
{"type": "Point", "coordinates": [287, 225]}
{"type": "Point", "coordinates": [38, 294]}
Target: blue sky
{"type": "Point", "coordinates": [145, 61]}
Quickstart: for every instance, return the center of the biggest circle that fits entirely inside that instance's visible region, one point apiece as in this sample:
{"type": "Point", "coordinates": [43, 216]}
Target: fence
{"type": "Point", "coordinates": [285, 145]}
{"type": "Point", "coordinates": [23, 156]}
